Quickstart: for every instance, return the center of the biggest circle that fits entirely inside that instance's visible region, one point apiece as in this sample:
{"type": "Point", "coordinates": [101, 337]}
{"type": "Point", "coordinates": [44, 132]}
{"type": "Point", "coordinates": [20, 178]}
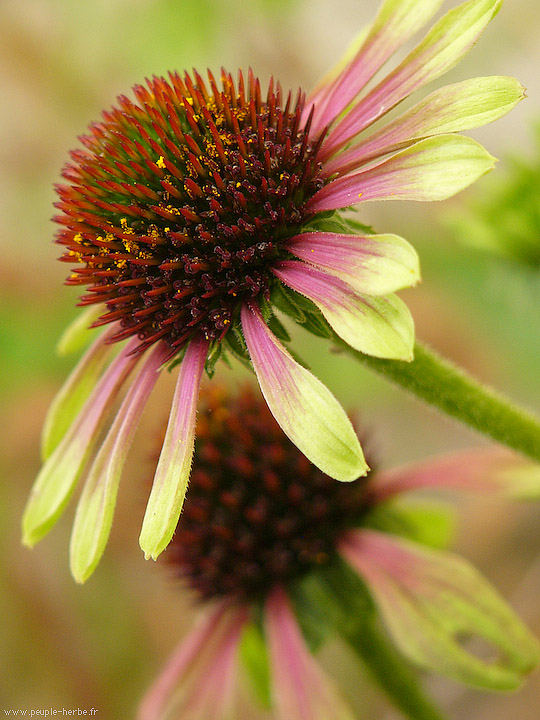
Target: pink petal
{"type": "Point", "coordinates": [442, 48]}
{"type": "Point", "coordinates": [199, 677]}
{"type": "Point", "coordinates": [391, 29]}
{"type": "Point", "coordinates": [495, 470]}
{"type": "Point", "coordinates": [301, 690]}
{"type": "Point", "coordinates": [174, 466]}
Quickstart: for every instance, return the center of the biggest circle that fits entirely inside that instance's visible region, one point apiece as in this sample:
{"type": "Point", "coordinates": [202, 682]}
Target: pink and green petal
{"type": "Point", "coordinates": [74, 393]}
{"type": "Point", "coordinates": [442, 48]}
{"type": "Point", "coordinates": [63, 468]}
{"type": "Point", "coordinates": [396, 22]}
{"type": "Point", "coordinates": [450, 109]}
{"type": "Point", "coordinates": [378, 326]}
{"type": "Point", "coordinates": [431, 600]}
{"type": "Point", "coordinates": [305, 409]}
{"type": "Point", "coordinates": [494, 470]}
{"type": "Point", "coordinates": [433, 169]}
{"type": "Point", "coordinates": [95, 509]}
{"type": "Point", "coordinates": [301, 690]}
{"type": "Point", "coordinates": [174, 465]}
{"type": "Point", "coordinates": [370, 264]}
{"type": "Point", "coordinates": [198, 680]}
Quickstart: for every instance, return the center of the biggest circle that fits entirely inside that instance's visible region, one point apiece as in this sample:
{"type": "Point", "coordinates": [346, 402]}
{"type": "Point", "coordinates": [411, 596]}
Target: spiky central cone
{"type": "Point", "coordinates": [180, 202]}
{"type": "Point", "coordinates": [257, 511]}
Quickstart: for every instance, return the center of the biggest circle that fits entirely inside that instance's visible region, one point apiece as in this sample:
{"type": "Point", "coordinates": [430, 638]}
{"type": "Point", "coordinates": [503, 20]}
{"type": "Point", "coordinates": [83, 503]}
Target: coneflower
{"type": "Point", "coordinates": [195, 208]}
{"type": "Point", "coordinates": [267, 543]}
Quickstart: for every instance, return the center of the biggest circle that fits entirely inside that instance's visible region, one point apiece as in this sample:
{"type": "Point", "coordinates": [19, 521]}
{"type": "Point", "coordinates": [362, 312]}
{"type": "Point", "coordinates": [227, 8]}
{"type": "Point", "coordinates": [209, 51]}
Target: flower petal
{"type": "Point", "coordinates": [450, 109]}
{"type": "Point", "coordinates": [302, 691]}
{"type": "Point", "coordinates": [95, 509]}
{"type": "Point", "coordinates": [379, 326]}
{"type": "Point", "coordinates": [371, 264]}
{"type": "Point", "coordinates": [172, 473]}
{"type": "Point", "coordinates": [79, 331]}
{"type": "Point", "coordinates": [495, 470]}
{"type": "Point", "coordinates": [396, 22]}
{"type": "Point", "coordinates": [73, 394]}
{"type": "Point", "coordinates": [198, 679]}
{"type": "Point", "coordinates": [305, 409]}
{"type": "Point", "coordinates": [430, 600]}
{"type": "Point", "coordinates": [442, 48]}
{"type": "Point", "coordinates": [59, 474]}
{"type": "Point", "coordinates": [432, 169]}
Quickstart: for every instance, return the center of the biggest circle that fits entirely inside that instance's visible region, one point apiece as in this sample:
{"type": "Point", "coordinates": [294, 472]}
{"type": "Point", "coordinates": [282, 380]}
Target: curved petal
{"type": "Point", "coordinates": [95, 508]}
{"type": "Point", "coordinates": [432, 169]}
{"type": "Point", "coordinates": [494, 470]}
{"type": "Point", "coordinates": [431, 600]}
{"type": "Point", "coordinates": [60, 473]}
{"type": "Point", "coordinates": [198, 679]}
{"type": "Point", "coordinates": [379, 326]}
{"type": "Point", "coordinates": [442, 48]}
{"type": "Point", "coordinates": [450, 109]}
{"type": "Point", "coordinates": [73, 394]}
{"type": "Point", "coordinates": [370, 264]}
{"type": "Point", "coordinates": [174, 465]}
{"type": "Point", "coordinates": [79, 331]}
{"type": "Point", "coordinates": [305, 409]}
{"type": "Point", "coordinates": [301, 690]}
{"type": "Point", "coordinates": [396, 22]}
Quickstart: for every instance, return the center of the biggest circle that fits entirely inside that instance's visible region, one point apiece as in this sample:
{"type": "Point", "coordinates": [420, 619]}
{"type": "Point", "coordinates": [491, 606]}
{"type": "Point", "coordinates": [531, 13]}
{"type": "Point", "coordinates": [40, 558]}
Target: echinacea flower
{"type": "Point", "coordinates": [267, 542]}
{"type": "Point", "coordinates": [193, 210]}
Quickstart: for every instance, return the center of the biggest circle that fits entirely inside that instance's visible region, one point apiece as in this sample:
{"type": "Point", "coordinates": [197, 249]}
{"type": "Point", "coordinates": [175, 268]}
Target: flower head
{"type": "Point", "coordinates": [265, 534]}
{"type": "Point", "coordinates": [195, 209]}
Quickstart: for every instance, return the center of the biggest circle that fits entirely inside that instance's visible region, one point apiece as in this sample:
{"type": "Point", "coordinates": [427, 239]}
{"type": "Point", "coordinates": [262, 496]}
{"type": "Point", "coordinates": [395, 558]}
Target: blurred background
{"type": "Point", "coordinates": [61, 63]}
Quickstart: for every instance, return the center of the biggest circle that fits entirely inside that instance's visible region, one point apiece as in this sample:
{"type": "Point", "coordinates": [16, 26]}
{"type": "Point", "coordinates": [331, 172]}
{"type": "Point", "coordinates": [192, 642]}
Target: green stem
{"type": "Point", "coordinates": [346, 602]}
{"type": "Point", "coordinates": [388, 668]}
{"type": "Point", "coordinates": [450, 389]}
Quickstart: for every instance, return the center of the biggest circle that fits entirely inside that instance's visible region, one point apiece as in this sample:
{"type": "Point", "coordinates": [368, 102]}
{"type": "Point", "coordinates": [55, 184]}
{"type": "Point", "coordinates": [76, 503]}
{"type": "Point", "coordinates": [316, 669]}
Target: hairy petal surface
{"type": "Point", "coordinates": [493, 470]}
{"type": "Point", "coordinates": [174, 465]}
{"type": "Point", "coordinates": [95, 509]}
{"type": "Point", "coordinates": [442, 48]}
{"type": "Point", "coordinates": [301, 690]}
{"type": "Point", "coordinates": [198, 680]}
{"type": "Point", "coordinates": [305, 409]}
{"type": "Point", "coordinates": [432, 169]}
{"type": "Point", "coordinates": [431, 600]}
{"type": "Point", "coordinates": [60, 473]}
{"type": "Point", "coordinates": [450, 109]}
{"type": "Point", "coordinates": [371, 264]}
{"type": "Point", "coordinates": [379, 326]}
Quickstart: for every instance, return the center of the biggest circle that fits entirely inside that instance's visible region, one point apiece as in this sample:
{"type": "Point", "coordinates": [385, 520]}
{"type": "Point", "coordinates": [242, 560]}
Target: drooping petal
{"type": "Point", "coordinates": [430, 601]}
{"type": "Point", "coordinates": [197, 681]}
{"type": "Point", "coordinates": [61, 471]}
{"type": "Point", "coordinates": [301, 690]}
{"type": "Point", "coordinates": [450, 109]}
{"type": "Point", "coordinates": [396, 22]}
{"type": "Point", "coordinates": [305, 409]}
{"type": "Point", "coordinates": [432, 169]}
{"type": "Point", "coordinates": [494, 470]}
{"type": "Point", "coordinates": [73, 394]}
{"type": "Point", "coordinates": [95, 509]}
{"type": "Point", "coordinates": [77, 333]}
{"type": "Point", "coordinates": [174, 465]}
{"type": "Point", "coordinates": [442, 48]}
{"type": "Point", "coordinates": [371, 264]}
{"type": "Point", "coordinates": [379, 326]}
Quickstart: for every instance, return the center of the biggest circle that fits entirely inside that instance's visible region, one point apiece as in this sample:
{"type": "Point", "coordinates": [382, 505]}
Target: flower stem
{"type": "Point", "coordinates": [450, 389]}
{"type": "Point", "coordinates": [347, 605]}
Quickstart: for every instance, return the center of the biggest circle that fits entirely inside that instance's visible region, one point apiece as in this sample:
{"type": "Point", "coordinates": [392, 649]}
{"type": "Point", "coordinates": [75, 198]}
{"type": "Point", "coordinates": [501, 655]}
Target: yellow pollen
{"type": "Point", "coordinates": [161, 162]}
{"type": "Point", "coordinates": [360, 195]}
